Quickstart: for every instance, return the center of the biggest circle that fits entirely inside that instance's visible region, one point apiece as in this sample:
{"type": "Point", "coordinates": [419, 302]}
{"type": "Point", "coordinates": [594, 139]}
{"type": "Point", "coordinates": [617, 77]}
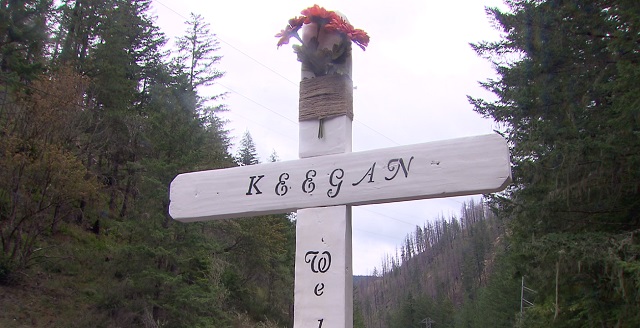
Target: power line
{"type": "Point", "coordinates": [287, 118]}
{"type": "Point", "coordinates": [233, 47]}
{"type": "Point", "coordinates": [378, 234]}
{"type": "Point", "coordinates": [260, 124]}
{"type": "Point", "coordinates": [272, 71]}
{"type": "Point", "coordinates": [376, 131]}
{"type": "Point", "coordinates": [257, 103]}
{"type": "Point", "coordinates": [390, 217]}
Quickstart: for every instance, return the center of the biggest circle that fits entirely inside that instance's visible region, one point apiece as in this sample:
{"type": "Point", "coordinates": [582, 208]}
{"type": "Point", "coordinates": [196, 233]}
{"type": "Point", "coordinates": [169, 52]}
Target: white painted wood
{"type": "Point", "coordinates": [323, 293]}
{"type": "Point", "coordinates": [455, 167]}
{"type": "Point", "coordinates": [336, 137]}
{"type": "Point", "coordinates": [324, 229]}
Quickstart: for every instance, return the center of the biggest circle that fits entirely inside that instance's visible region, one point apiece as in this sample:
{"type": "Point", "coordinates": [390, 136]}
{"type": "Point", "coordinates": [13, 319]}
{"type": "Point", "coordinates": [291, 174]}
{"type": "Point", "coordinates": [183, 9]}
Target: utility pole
{"type": "Point", "coordinates": [427, 322]}
{"type": "Point", "coordinates": [524, 303]}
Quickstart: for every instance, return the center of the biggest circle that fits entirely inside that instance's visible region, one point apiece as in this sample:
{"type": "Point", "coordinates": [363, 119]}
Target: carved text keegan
{"type": "Point", "coordinates": [335, 179]}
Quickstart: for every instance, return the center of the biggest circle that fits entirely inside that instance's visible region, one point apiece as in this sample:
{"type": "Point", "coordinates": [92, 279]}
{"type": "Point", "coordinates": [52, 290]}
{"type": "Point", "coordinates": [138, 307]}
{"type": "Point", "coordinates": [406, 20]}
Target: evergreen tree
{"type": "Point", "coordinates": [567, 99]}
{"type": "Point", "coordinates": [196, 53]}
{"type": "Point", "coordinates": [262, 249]}
{"type": "Point", "coordinates": [196, 59]}
{"type": "Point", "coordinates": [79, 27]}
{"type": "Point", "coordinates": [88, 147]}
{"type": "Point", "coordinates": [23, 39]}
{"type": "Point", "coordinates": [274, 157]}
{"type": "Point", "coordinates": [358, 317]}
{"type": "Point", "coordinates": [247, 154]}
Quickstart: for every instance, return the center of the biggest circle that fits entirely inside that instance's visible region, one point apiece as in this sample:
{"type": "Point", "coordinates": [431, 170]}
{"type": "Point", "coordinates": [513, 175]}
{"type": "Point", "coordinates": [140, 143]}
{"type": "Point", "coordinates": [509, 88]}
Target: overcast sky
{"type": "Point", "coordinates": [412, 85]}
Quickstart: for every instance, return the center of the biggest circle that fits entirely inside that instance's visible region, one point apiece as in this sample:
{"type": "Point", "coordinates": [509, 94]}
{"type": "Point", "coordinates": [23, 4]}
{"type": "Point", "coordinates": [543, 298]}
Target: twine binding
{"type": "Point", "coordinates": [326, 96]}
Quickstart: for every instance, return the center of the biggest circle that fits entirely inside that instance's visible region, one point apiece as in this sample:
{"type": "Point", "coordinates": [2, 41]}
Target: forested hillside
{"type": "Point", "coordinates": [439, 267]}
{"type": "Point", "coordinates": [567, 98]}
{"type": "Point", "coordinates": [96, 119]}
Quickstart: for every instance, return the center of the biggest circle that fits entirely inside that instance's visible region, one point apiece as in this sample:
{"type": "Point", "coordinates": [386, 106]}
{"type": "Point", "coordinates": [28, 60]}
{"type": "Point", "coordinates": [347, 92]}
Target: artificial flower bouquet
{"type": "Point", "coordinates": [325, 43]}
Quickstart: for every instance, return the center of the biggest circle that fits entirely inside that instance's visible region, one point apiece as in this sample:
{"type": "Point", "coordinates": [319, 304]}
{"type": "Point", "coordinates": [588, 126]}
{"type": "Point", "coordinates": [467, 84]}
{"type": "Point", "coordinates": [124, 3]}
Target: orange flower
{"type": "Point", "coordinates": [358, 36]}
{"type": "Point", "coordinates": [325, 19]}
{"type": "Point", "coordinates": [297, 22]}
{"type": "Point", "coordinates": [338, 25]}
{"type": "Point", "coordinates": [318, 15]}
{"type": "Point", "coordinates": [290, 30]}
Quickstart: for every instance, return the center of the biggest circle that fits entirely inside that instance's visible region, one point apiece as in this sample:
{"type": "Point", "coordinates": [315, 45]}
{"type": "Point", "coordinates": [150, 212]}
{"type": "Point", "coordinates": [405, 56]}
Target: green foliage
{"type": "Point", "coordinates": [439, 275]}
{"type": "Point", "coordinates": [247, 154]}
{"type": "Point", "coordinates": [567, 99]}
{"type": "Point", "coordinates": [87, 153]}
{"type": "Point", "coordinates": [154, 278]}
{"type": "Point", "coordinates": [22, 39]}
{"type": "Point", "coordinates": [261, 253]}
{"type": "Point", "coordinates": [496, 303]}
{"type": "Point", "coordinates": [41, 182]}
{"type": "Point", "coordinates": [595, 274]}
{"type": "Point", "coordinates": [196, 53]}
{"type": "Point", "coordinates": [416, 311]}
{"type": "Point", "coordinates": [358, 317]}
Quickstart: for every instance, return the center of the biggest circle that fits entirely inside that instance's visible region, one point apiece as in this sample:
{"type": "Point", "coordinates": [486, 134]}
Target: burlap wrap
{"type": "Point", "coordinates": [326, 96]}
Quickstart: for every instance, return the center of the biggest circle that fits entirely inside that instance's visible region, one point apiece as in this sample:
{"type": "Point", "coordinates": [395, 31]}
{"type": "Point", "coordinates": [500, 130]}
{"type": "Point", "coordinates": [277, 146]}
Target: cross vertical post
{"type": "Point", "coordinates": [323, 294]}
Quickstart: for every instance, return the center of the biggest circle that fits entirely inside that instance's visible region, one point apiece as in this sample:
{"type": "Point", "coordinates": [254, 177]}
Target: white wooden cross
{"type": "Point", "coordinates": [322, 190]}
{"type": "Point", "coordinates": [323, 185]}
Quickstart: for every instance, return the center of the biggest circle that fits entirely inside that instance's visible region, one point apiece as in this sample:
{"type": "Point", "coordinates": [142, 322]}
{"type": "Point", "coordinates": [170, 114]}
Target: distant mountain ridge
{"type": "Point", "coordinates": [438, 266]}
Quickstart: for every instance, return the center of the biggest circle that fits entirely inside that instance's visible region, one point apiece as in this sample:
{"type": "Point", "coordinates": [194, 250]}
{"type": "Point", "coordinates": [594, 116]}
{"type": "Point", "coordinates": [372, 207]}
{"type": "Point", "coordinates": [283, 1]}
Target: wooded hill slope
{"type": "Point", "coordinates": [439, 268]}
{"type": "Point", "coordinates": [567, 99]}
{"type": "Point", "coordinates": [96, 119]}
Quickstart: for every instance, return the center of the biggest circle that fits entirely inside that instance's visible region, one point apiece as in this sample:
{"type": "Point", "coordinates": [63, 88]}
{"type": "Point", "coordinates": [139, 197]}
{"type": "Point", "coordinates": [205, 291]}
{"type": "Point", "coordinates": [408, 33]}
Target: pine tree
{"type": "Point", "coordinates": [274, 157]}
{"type": "Point", "coordinates": [78, 30]}
{"type": "Point", "coordinates": [196, 59]}
{"type": "Point", "coordinates": [196, 53]}
{"type": "Point", "coordinates": [23, 39]}
{"type": "Point", "coordinates": [568, 103]}
{"type": "Point", "coordinates": [94, 124]}
{"type": "Point", "coordinates": [247, 154]}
